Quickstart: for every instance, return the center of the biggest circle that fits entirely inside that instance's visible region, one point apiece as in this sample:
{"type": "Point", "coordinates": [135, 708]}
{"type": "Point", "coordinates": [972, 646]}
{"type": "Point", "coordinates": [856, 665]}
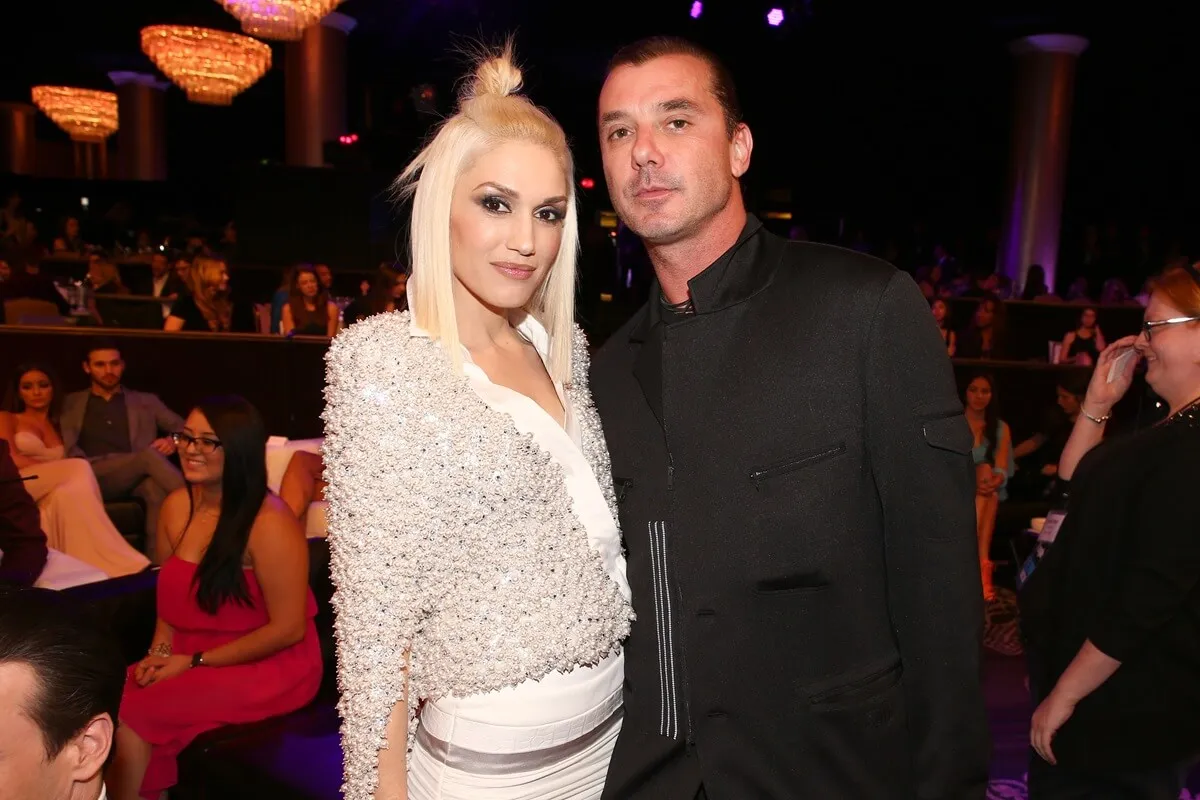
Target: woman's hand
{"type": "Point", "coordinates": [1102, 395]}
{"type": "Point", "coordinates": [161, 668]}
{"type": "Point", "coordinates": [1051, 715]}
{"type": "Point", "coordinates": [983, 479]}
{"type": "Point", "coordinates": [143, 672]}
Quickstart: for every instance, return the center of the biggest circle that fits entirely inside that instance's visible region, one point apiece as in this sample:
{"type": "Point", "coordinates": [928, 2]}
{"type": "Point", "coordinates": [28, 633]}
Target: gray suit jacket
{"type": "Point", "coordinates": [148, 417]}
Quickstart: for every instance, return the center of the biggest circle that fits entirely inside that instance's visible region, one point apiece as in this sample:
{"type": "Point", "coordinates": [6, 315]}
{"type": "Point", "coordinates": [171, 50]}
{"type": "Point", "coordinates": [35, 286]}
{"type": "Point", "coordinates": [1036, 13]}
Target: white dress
{"type": "Point", "coordinates": [72, 510]}
{"type": "Point", "coordinates": [550, 738]}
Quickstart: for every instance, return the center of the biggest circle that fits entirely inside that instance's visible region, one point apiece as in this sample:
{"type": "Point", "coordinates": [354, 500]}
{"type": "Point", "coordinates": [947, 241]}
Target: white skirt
{"type": "Point", "coordinates": [575, 770]}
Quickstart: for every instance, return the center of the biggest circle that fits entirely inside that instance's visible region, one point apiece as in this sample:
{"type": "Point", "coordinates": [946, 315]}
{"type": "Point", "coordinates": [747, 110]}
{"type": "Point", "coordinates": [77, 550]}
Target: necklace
{"type": "Point", "coordinates": [1189, 413]}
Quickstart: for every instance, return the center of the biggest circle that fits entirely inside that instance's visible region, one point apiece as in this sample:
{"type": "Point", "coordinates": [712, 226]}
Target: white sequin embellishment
{"type": "Point", "coordinates": [432, 548]}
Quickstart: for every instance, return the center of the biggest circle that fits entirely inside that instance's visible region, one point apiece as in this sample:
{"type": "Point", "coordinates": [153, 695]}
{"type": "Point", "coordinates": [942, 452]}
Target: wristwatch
{"type": "Point", "coordinates": [198, 660]}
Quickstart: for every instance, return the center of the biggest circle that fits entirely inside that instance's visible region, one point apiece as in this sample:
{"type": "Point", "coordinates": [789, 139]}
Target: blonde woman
{"type": "Point", "coordinates": [481, 591]}
{"type": "Point", "coordinates": [208, 306]}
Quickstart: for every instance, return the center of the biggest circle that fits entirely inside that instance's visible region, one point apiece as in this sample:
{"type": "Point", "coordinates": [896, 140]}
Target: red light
{"type": "Point", "coordinates": [587, 183]}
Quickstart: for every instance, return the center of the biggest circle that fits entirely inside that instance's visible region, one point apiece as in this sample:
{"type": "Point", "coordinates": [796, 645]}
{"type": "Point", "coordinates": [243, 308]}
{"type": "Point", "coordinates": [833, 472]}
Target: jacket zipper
{"type": "Point", "coordinates": [758, 476]}
{"type": "Point", "coordinates": [687, 701]}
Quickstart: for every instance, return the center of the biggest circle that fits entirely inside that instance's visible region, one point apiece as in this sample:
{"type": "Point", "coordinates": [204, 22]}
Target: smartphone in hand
{"type": "Point", "coordinates": [1120, 364]}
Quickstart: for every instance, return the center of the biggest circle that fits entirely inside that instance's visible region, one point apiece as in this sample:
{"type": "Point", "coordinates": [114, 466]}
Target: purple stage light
{"type": "Point", "coordinates": [775, 17]}
{"type": "Point", "coordinates": [697, 9]}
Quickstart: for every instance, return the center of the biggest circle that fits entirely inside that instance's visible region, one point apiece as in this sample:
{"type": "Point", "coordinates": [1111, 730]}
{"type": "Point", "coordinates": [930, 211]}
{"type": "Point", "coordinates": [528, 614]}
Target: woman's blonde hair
{"type": "Point", "coordinates": [203, 279]}
{"type": "Point", "coordinates": [490, 113]}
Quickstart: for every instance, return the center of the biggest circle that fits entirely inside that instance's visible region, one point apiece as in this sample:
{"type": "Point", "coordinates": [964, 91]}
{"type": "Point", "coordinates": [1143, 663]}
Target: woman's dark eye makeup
{"type": "Point", "coordinates": [498, 205]}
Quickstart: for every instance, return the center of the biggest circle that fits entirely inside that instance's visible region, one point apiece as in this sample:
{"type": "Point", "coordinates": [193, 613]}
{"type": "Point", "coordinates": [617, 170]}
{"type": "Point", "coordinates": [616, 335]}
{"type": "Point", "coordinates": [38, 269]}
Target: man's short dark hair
{"type": "Point", "coordinates": [100, 343]}
{"type": "Point", "coordinates": [78, 667]}
{"type": "Point", "coordinates": [648, 49]}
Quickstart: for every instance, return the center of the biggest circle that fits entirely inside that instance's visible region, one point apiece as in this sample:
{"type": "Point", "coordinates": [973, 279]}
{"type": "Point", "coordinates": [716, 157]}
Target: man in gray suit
{"type": "Point", "coordinates": [124, 434]}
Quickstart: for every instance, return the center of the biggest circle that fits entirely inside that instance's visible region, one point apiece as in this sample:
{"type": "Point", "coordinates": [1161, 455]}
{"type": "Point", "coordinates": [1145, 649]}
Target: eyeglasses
{"type": "Point", "coordinates": [1149, 325]}
{"type": "Point", "coordinates": [204, 445]}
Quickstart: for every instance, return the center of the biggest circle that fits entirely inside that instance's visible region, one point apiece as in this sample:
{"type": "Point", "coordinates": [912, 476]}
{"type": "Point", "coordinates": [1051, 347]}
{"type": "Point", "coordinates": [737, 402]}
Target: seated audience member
{"type": "Point", "coordinates": [70, 242]}
{"type": "Point", "coordinates": [65, 489]}
{"type": "Point", "coordinates": [183, 267]}
{"type": "Point", "coordinates": [103, 278]}
{"type": "Point", "coordinates": [1116, 293]}
{"type": "Point", "coordinates": [235, 640]}
{"type": "Point", "coordinates": [1080, 291]}
{"type": "Point", "coordinates": [164, 283]}
{"type": "Point", "coordinates": [60, 696]}
{"type": "Point", "coordinates": [1036, 288]}
{"type": "Point", "coordinates": [309, 311]}
{"type": "Point", "coordinates": [387, 293]}
{"type": "Point", "coordinates": [1037, 457]}
{"type": "Point", "coordinates": [5, 271]}
{"type": "Point", "coordinates": [208, 306]}
{"type": "Point", "coordinates": [324, 277]}
{"type": "Point", "coordinates": [992, 454]}
{"type": "Point", "coordinates": [941, 316]}
{"type": "Point", "coordinates": [303, 482]}
{"type": "Point", "coordinates": [984, 337]}
{"type": "Point", "coordinates": [25, 558]}
{"type": "Point", "coordinates": [124, 434]}
{"type": "Point", "coordinates": [1082, 346]}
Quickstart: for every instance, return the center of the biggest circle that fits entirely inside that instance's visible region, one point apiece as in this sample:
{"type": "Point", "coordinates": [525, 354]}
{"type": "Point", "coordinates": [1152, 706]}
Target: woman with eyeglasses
{"type": "Point", "coordinates": [1112, 613]}
{"type": "Point", "coordinates": [235, 640]}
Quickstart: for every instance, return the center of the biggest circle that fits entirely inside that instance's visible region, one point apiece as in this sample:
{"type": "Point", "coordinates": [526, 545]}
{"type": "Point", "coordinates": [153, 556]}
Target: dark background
{"type": "Point", "coordinates": [879, 114]}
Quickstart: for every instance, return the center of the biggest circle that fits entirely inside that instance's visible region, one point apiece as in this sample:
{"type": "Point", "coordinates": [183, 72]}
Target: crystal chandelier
{"type": "Point", "coordinates": [211, 66]}
{"type": "Point", "coordinates": [278, 19]}
{"type": "Point", "coordinates": [85, 114]}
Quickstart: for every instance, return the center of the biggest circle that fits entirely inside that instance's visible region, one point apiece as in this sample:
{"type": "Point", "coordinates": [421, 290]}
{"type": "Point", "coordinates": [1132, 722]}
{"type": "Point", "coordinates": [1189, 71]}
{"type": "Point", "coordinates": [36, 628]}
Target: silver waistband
{"type": "Point", "coordinates": [478, 763]}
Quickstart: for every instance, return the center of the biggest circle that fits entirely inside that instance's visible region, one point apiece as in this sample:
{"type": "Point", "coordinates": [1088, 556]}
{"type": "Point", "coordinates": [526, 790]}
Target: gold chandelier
{"type": "Point", "coordinates": [278, 19]}
{"type": "Point", "coordinates": [211, 66]}
{"type": "Point", "coordinates": [85, 114]}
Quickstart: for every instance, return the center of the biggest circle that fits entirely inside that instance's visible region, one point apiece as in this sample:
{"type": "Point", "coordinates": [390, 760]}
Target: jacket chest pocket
{"type": "Point", "coordinates": [798, 504]}
{"type": "Point", "coordinates": [773, 476]}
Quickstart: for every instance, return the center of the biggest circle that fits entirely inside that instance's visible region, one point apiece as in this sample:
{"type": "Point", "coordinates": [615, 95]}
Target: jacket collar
{"type": "Point", "coordinates": [739, 273]}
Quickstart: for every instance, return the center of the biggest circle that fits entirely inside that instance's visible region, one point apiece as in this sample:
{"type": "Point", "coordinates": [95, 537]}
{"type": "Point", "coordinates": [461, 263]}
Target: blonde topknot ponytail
{"type": "Point", "coordinates": [496, 75]}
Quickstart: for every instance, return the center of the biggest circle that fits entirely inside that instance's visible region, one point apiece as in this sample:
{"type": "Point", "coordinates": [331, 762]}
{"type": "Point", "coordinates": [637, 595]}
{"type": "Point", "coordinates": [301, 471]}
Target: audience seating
{"type": "Point", "coordinates": [296, 756]}
{"type": "Point", "coordinates": [28, 311]}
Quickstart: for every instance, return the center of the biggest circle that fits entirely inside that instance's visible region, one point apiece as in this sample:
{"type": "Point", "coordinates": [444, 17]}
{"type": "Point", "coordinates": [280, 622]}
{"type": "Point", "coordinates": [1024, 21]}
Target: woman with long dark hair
{"type": "Point", "coordinates": [941, 316]}
{"type": "Point", "coordinates": [309, 311]}
{"type": "Point", "coordinates": [68, 497]}
{"type": "Point", "coordinates": [388, 293]}
{"type": "Point", "coordinates": [1083, 345]}
{"type": "Point", "coordinates": [235, 640]}
{"type": "Point", "coordinates": [993, 467]}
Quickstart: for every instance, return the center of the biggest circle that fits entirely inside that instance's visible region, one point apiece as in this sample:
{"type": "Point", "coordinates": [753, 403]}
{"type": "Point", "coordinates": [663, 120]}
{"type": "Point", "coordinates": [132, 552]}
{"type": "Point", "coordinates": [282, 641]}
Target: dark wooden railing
{"type": "Point", "coordinates": [284, 378]}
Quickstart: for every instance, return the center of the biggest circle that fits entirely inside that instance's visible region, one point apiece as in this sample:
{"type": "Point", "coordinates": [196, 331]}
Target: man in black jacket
{"type": "Point", "coordinates": [795, 486]}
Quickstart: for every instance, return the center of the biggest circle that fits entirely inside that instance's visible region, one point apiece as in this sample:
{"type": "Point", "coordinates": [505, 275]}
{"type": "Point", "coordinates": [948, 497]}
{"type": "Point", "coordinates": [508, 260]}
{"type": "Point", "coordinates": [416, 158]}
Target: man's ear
{"type": "Point", "coordinates": [741, 145]}
{"type": "Point", "coordinates": [90, 748]}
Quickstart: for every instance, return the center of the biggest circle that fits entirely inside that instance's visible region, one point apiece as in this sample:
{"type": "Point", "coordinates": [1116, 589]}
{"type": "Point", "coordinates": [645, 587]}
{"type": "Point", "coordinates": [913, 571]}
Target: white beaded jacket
{"type": "Point", "coordinates": [452, 538]}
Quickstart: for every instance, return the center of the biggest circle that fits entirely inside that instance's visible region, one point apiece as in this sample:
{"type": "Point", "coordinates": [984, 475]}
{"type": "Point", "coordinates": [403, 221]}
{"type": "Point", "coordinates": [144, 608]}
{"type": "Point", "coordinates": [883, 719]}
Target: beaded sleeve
{"type": "Point", "coordinates": [380, 601]}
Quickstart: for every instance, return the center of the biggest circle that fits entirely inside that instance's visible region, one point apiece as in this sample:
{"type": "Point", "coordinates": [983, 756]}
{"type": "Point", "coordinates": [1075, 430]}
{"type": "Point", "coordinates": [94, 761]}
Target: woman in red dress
{"type": "Point", "coordinates": [235, 640]}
